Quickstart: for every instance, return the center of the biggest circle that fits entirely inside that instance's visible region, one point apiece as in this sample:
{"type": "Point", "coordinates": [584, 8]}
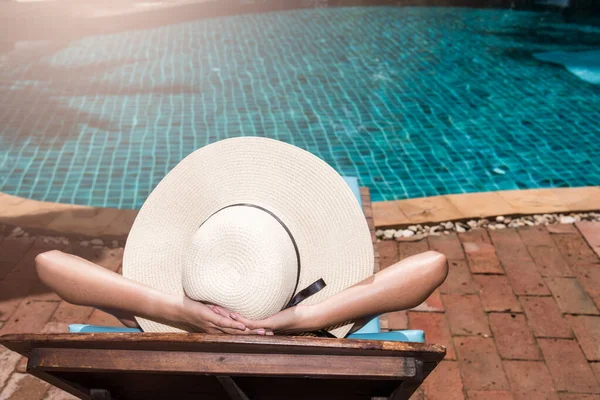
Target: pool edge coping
{"type": "Point", "coordinates": [113, 223]}
{"type": "Point", "coordinates": [467, 206]}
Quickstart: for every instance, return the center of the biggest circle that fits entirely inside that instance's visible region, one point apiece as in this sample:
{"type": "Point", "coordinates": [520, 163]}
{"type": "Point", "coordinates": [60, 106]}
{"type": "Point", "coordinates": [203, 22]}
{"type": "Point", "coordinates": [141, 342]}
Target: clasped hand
{"type": "Point", "coordinates": [208, 318]}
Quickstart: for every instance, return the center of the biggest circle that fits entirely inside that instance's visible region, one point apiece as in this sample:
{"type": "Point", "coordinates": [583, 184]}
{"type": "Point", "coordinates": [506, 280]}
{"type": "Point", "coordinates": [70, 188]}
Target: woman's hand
{"type": "Point", "coordinates": [199, 317]}
{"type": "Point", "coordinates": [300, 318]}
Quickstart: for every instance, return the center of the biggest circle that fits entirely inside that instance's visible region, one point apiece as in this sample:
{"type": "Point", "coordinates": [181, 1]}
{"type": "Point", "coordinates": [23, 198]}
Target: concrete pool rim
{"type": "Point", "coordinates": [113, 223]}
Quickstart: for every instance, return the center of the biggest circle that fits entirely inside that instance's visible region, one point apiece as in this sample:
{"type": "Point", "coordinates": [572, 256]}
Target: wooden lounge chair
{"type": "Point", "coordinates": [95, 362]}
{"type": "Point", "coordinates": [197, 366]}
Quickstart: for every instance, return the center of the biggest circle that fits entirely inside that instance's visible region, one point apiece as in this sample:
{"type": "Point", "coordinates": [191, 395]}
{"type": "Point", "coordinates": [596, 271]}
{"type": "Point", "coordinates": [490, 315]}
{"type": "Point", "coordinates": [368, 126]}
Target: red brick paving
{"type": "Point", "coordinates": [517, 313]}
{"type": "Point", "coordinates": [489, 395]}
{"type": "Point", "coordinates": [574, 249]}
{"type": "Point", "coordinates": [514, 339]}
{"type": "Point", "coordinates": [407, 248]}
{"type": "Point", "coordinates": [29, 317]}
{"type": "Point", "coordinates": [535, 236]}
{"type": "Point", "coordinates": [518, 264]}
{"type": "Point", "coordinates": [480, 252]}
{"type": "Point", "coordinates": [596, 369]}
{"type": "Point", "coordinates": [571, 297]}
{"type": "Point", "coordinates": [436, 327]}
{"type": "Point", "coordinates": [24, 387]}
{"type": "Point", "coordinates": [579, 396]}
{"type": "Point", "coordinates": [432, 304]}
{"type": "Point", "coordinates": [549, 261]}
{"type": "Point", "coordinates": [591, 233]}
{"type": "Point", "coordinates": [570, 370]}
{"type": "Point", "coordinates": [397, 320]}
{"type": "Point", "coordinates": [587, 332]}
{"type": "Point", "coordinates": [459, 280]}
{"type": "Point", "coordinates": [101, 318]}
{"type": "Point", "coordinates": [544, 317]}
{"type": "Point", "coordinates": [449, 245]}
{"type": "Point", "coordinates": [528, 378]}
{"type": "Point", "coordinates": [465, 315]}
{"type": "Point", "coordinates": [496, 293]}
{"type": "Point", "coordinates": [480, 363]}
{"type": "Point", "coordinates": [444, 382]}
{"type": "Point", "coordinates": [388, 253]}
{"type": "Point", "coordinates": [589, 277]}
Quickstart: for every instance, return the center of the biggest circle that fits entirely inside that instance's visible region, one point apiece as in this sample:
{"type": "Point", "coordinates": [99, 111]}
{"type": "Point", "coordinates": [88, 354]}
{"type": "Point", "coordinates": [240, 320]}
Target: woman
{"type": "Point", "coordinates": [252, 236]}
{"type": "Point", "coordinates": [401, 286]}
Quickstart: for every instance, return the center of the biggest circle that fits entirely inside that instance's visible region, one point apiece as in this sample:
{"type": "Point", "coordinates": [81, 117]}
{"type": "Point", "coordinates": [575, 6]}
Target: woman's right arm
{"type": "Point", "coordinates": [82, 282]}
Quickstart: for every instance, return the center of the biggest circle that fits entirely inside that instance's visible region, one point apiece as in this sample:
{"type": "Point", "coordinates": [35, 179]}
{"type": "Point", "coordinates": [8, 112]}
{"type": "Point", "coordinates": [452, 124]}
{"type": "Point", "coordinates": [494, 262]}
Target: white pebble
{"type": "Point", "coordinates": [398, 234]}
{"type": "Point", "coordinates": [97, 242]}
{"type": "Point", "coordinates": [529, 223]}
{"type": "Point", "coordinates": [379, 233]}
{"type": "Point", "coordinates": [18, 231]}
{"type": "Point", "coordinates": [407, 233]}
{"type": "Point", "coordinates": [460, 229]}
{"type": "Point", "coordinates": [448, 225]}
{"type": "Point", "coordinates": [413, 228]}
{"type": "Point", "coordinates": [500, 226]}
{"type": "Point", "coordinates": [499, 218]}
{"type": "Point", "coordinates": [472, 223]}
{"type": "Point", "coordinates": [567, 220]}
{"type": "Point", "coordinates": [84, 243]}
{"type": "Point", "coordinates": [389, 233]}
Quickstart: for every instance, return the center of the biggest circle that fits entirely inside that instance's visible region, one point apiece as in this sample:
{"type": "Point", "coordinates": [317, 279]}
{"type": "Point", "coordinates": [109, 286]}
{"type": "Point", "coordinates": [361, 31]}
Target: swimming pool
{"type": "Point", "coordinates": [413, 101]}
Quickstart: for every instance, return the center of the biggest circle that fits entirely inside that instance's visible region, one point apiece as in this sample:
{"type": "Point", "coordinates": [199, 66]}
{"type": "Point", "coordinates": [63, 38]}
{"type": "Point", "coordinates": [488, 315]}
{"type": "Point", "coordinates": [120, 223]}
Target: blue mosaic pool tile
{"type": "Point", "coordinates": [413, 101]}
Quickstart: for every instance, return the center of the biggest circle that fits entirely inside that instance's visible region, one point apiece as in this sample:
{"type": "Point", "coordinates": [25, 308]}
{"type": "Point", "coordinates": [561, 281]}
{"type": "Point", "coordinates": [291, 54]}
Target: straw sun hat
{"type": "Point", "coordinates": [253, 225]}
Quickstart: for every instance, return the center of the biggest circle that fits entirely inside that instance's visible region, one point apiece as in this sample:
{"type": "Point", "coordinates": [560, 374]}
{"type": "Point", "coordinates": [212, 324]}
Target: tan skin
{"type": "Point", "coordinates": [401, 286]}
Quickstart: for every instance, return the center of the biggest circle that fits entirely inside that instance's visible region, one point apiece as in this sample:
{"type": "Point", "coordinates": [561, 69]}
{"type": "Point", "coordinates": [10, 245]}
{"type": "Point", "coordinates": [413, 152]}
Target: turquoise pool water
{"type": "Point", "coordinates": [413, 101]}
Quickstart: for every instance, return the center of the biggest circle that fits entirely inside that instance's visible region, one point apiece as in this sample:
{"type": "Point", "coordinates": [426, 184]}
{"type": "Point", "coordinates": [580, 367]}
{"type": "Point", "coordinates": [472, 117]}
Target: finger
{"type": "Point", "coordinates": [222, 311]}
{"type": "Point", "coordinates": [260, 332]}
{"type": "Point", "coordinates": [223, 322]}
{"type": "Point", "coordinates": [248, 322]}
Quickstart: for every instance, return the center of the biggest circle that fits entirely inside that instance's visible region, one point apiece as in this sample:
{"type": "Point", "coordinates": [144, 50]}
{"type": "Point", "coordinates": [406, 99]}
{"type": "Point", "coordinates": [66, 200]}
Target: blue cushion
{"type": "Point", "coordinates": [372, 326]}
{"type": "Point", "coordinates": [371, 330]}
{"type": "Point", "coordinates": [393, 336]}
{"type": "Point", "coordinates": [353, 183]}
{"type": "Point", "coordinates": [82, 328]}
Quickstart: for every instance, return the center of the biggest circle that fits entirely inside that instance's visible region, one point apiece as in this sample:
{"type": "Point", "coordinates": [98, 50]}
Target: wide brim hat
{"type": "Point", "coordinates": [249, 223]}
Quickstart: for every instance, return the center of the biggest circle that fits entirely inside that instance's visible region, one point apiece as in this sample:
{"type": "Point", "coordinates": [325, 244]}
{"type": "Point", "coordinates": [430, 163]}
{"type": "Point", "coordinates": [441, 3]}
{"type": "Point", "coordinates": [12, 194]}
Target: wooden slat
{"type": "Point", "coordinates": [287, 365]}
{"type": "Point", "coordinates": [23, 343]}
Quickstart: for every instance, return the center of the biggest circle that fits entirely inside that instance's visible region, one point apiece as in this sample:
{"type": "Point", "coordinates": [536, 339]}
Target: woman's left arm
{"type": "Point", "coordinates": [401, 286]}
